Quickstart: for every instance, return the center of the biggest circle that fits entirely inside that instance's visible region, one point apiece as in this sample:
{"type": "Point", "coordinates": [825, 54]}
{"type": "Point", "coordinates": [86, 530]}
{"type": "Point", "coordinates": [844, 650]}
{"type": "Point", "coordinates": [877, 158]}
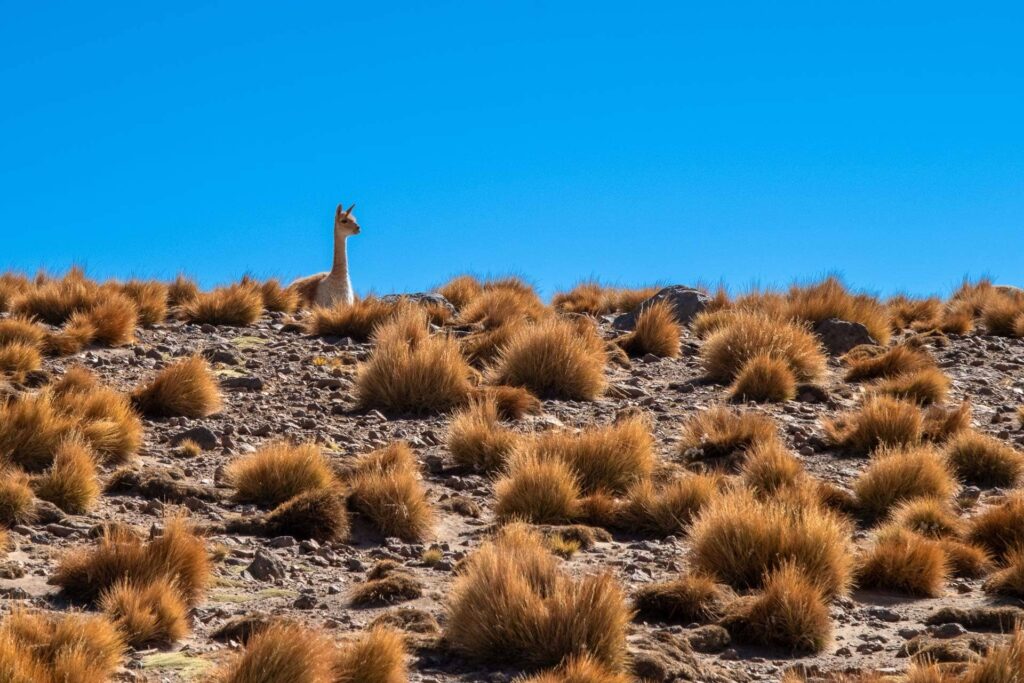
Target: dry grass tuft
{"type": "Point", "coordinates": [119, 554]}
{"type": "Point", "coordinates": [279, 471]}
{"type": "Point", "coordinates": [1009, 579]}
{"type": "Point", "coordinates": [692, 598]}
{"type": "Point", "coordinates": [71, 648]}
{"type": "Point", "coordinates": [999, 528]}
{"type": "Point", "coordinates": [17, 502]}
{"type": "Point", "coordinates": [899, 360]}
{"type": "Point", "coordinates": [553, 359]}
{"type": "Point", "coordinates": [722, 436]}
{"type": "Point", "coordinates": [106, 420]}
{"type": "Point", "coordinates": [238, 305]}
{"type": "Point", "coordinates": [790, 612]}
{"type": "Point", "coordinates": [542, 491]}
{"type": "Point", "coordinates": [667, 509]}
{"type": "Point", "coordinates": [378, 656]}
{"type": "Point", "coordinates": [983, 460]}
{"type": "Point", "coordinates": [460, 290]}
{"type": "Point", "coordinates": [581, 669]}
{"type": "Point", "coordinates": [357, 320]}
{"type": "Point", "coordinates": [770, 468]}
{"type": "Point", "coordinates": [923, 387]}
{"type": "Point", "coordinates": [386, 489]}
{"type": "Point", "coordinates": [764, 379]}
{"type": "Point", "coordinates": [513, 403]}
{"type": "Point", "coordinates": [182, 290]}
{"type": "Point", "coordinates": [476, 438]}
{"type": "Point", "coordinates": [738, 539]}
{"type": "Point", "coordinates": [278, 299]}
{"type": "Point", "coordinates": [71, 483]}
{"type": "Point", "coordinates": [112, 319]}
{"type": "Point", "coordinates": [411, 371]}
{"type": "Point", "coordinates": [12, 285]}
{"type": "Point", "coordinates": [511, 603]}
{"type": "Point", "coordinates": [500, 306]}
{"type": "Point", "coordinates": [880, 422]}
{"type": "Point", "coordinates": [31, 429]}
{"type": "Point", "coordinates": [386, 584]}
{"type": "Point", "coordinates": [19, 358]}
{"type": "Point", "coordinates": [319, 514]}
{"type": "Point", "coordinates": [966, 560]}
{"type": "Point", "coordinates": [657, 333]}
{"type": "Point", "coordinates": [745, 336]}
{"type": "Point", "coordinates": [186, 388]}
{"type": "Point", "coordinates": [55, 301]}
{"type": "Point", "coordinates": [929, 517]}
{"type": "Point", "coordinates": [150, 299]}
{"type": "Point", "coordinates": [151, 614]}
{"type": "Point", "coordinates": [830, 299]}
{"type": "Point", "coordinates": [941, 424]}
{"type": "Point", "coordinates": [903, 562]}
{"type": "Point", "coordinates": [1002, 664]}
{"type": "Point", "coordinates": [281, 652]}
{"type": "Point", "coordinates": [23, 331]}
{"type": "Point", "coordinates": [906, 312]}
{"type": "Point", "coordinates": [895, 475]}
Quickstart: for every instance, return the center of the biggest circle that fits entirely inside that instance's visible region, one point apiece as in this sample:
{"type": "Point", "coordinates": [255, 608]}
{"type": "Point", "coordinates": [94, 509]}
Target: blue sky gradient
{"type": "Point", "coordinates": [634, 142]}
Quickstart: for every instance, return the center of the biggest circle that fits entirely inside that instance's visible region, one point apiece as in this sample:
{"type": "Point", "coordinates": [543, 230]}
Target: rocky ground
{"type": "Point", "coordinates": [280, 382]}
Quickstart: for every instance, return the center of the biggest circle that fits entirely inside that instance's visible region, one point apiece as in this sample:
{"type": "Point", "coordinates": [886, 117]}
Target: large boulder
{"type": "Point", "coordinates": [686, 303]}
{"type": "Point", "coordinates": [839, 336]}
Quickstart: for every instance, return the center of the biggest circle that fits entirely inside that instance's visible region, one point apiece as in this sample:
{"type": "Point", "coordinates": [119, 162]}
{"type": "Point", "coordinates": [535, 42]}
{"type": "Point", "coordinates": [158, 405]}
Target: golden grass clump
{"type": "Point", "coordinates": [378, 656]}
{"type": "Point", "coordinates": [899, 360]}
{"type": "Point", "coordinates": [657, 332]}
{"type": "Point", "coordinates": [460, 290]}
{"type": "Point", "coordinates": [790, 612]}
{"type": "Point", "coordinates": [1001, 664]}
{"type": "Point", "coordinates": [999, 528]}
{"type": "Point", "coordinates": [23, 331]}
{"type": "Point", "coordinates": [17, 502]}
{"type": "Point", "coordinates": [1001, 315]}
{"type": "Point", "coordinates": [582, 669]}
{"type": "Point", "coordinates": [585, 297]}
{"type": "Point", "coordinates": [764, 379]}
{"type": "Point", "coordinates": [1009, 579]}
{"type": "Point", "coordinates": [511, 603]}
{"type": "Point", "coordinates": [75, 336]}
{"type": "Point", "coordinates": [880, 421]}
{"type": "Point", "coordinates": [278, 471]}
{"type": "Point", "coordinates": [691, 598]}
{"type": "Point", "coordinates": [499, 306]}
{"type": "Point", "coordinates": [983, 460]}
{"type": "Point", "coordinates": [237, 305]}
{"type": "Point", "coordinates": [387, 490]}
{"type": "Point", "coordinates": [69, 647]}
{"type": "Point", "coordinates": [19, 358]}
{"type": "Point", "coordinates": [278, 299]}
{"type": "Point", "coordinates": [182, 290]}
{"type": "Point", "coordinates": [283, 651]}
{"type": "Point", "coordinates": [320, 514]}
{"type": "Point", "coordinates": [966, 560]}
{"type": "Point", "coordinates": [904, 562]}
{"type": "Point", "coordinates": [941, 424]}
{"type": "Point", "coordinates": [923, 387]}
{"type": "Point", "coordinates": [895, 475]}
{"type": "Point", "coordinates": [553, 359]}
{"type": "Point", "coordinates": [106, 419]}
{"type": "Point", "coordinates": [738, 538]}
{"type": "Point", "coordinates": [537, 490]}
{"type": "Point", "coordinates": [412, 371]}
{"type": "Point", "coordinates": [31, 429]}
{"type": "Point", "coordinates": [906, 312]}
{"type": "Point", "coordinates": [146, 615]}
{"type": "Point", "coordinates": [71, 483]}
{"type": "Point", "coordinates": [120, 555]}
{"type": "Point", "coordinates": [722, 436]}
{"type": "Point", "coordinates": [929, 517]}
{"type": "Point", "coordinates": [11, 286]}
{"type": "Point", "coordinates": [357, 320]}
{"type": "Point", "coordinates": [748, 335]}
{"type": "Point", "coordinates": [829, 298]}
{"type": "Point", "coordinates": [476, 438]}
{"type": "Point", "coordinates": [669, 508]}
{"type": "Point", "coordinates": [512, 403]}
{"type": "Point", "coordinates": [186, 388]}
{"type": "Point", "coordinates": [55, 301]}
{"type": "Point", "coordinates": [150, 298]}
{"type": "Point", "coordinates": [770, 468]}
{"type": "Point", "coordinates": [112, 319]}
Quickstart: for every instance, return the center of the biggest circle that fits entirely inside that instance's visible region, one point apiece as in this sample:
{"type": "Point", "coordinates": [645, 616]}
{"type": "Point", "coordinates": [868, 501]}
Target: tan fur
{"type": "Point", "coordinates": [334, 287]}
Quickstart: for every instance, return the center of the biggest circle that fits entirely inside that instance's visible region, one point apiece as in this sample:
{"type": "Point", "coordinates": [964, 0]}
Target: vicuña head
{"type": "Point", "coordinates": [328, 289]}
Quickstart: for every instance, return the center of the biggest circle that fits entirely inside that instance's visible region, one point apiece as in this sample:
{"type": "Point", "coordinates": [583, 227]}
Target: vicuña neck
{"type": "Point", "coordinates": [340, 269]}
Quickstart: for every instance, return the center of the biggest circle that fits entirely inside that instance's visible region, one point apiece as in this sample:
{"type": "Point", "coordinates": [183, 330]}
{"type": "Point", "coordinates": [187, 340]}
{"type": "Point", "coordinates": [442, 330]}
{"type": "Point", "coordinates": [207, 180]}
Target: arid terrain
{"type": "Point", "coordinates": [283, 377]}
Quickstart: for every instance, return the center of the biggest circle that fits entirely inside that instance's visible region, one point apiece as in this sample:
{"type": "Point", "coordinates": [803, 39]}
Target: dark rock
{"type": "Point", "coordinates": [709, 639]}
{"type": "Point", "coordinates": [839, 336]}
{"type": "Point", "coordinates": [811, 393]}
{"type": "Point", "coordinates": [240, 629]}
{"type": "Point", "coordinates": [246, 383]}
{"type": "Point", "coordinates": [48, 513]}
{"type": "Point", "coordinates": [686, 303]}
{"type": "Point", "coordinates": [265, 567]}
{"type": "Point", "coordinates": [305, 602]}
{"type": "Point", "coordinates": [996, 619]}
{"type": "Point", "coordinates": [203, 436]}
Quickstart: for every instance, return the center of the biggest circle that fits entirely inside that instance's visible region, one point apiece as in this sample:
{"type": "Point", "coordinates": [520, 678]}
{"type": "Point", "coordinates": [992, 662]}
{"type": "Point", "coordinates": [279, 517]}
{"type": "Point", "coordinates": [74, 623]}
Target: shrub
{"type": "Point", "coordinates": [106, 420]}
{"type": "Point", "coordinates": [542, 491]}
{"type": "Point", "coordinates": [897, 475]}
{"type": "Point", "coordinates": [186, 388]}
{"type": "Point", "coordinates": [880, 422]}
{"type": "Point", "coordinates": [965, 560]}
{"type": "Point", "coordinates": [55, 301]}
{"type": "Point", "coordinates": [1001, 664]}
{"type": "Point", "coordinates": [386, 488]}
{"type": "Point", "coordinates": [830, 299]}
{"type": "Point", "coordinates": [769, 468]}
{"type": "Point", "coordinates": [150, 299]}
{"type": "Point", "coordinates": [319, 514]}
{"type": "Point", "coordinates": [923, 387]}
{"type": "Point", "coordinates": [357, 320]}
{"type": "Point", "coordinates": [512, 403]}
{"type": "Point", "coordinates": [278, 299]}
{"type": "Point", "coordinates": [281, 652]}
{"type": "Point", "coordinates": [148, 614]}
{"type": "Point", "coordinates": [113, 320]}
{"type": "Point", "coordinates": [724, 436]}
{"type": "Point", "coordinates": [21, 330]}
{"type": "Point", "coordinates": [692, 598]}
{"type": "Point", "coordinates": [279, 471]}
{"type": "Point", "coordinates": [667, 509]}
{"type": "Point", "coordinates": [657, 333]}
{"type": "Point", "coordinates": [903, 562]}
{"type": "Point", "coordinates": [496, 307]}
{"type": "Point", "coordinates": [378, 656]}
{"type": "Point", "coordinates": [511, 603]}
{"type": "Point", "coordinates": [553, 359]}
{"type": "Point", "coordinates": [738, 539]}
{"type": "Point", "coordinates": [182, 290]}
{"type": "Point", "coordinates": [929, 517]}
{"type": "Point", "coordinates": [764, 379]}
{"type": "Point", "coordinates": [18, 358]}
{"type": "Point", "coordinates": [411, 371]}
{"type": "Point", "coordinates": [899, 360]}
{"type": "Point", "coordinates": [17, 502]}
{"type": "Point", "coordinates": [748, 335]}
{"type": "Point", "coordinates": [940, 424]}
{"type": "Point", "coordinates": [31, 429]}
{"type": "Point", "coordinates": [611, 457]}
{"type": "Point", "coordinates": [71, 483]}
{"type": "Point", "coordinates": [177, 554]}
{"type": "Point", "coordinates": [982, 460]}
{"type": "Point", "coordinates": [460, 290]}
{"type": "Point", "coordinates": [905, 312]}
{"type": "Point", "coordinates": [1000, 314]}
{"type": "Point", "coordinates": [1009, 579]}
{"type": "Point", "coordinates": [790, 612]}
{"type": "Point", "coordinates": [579, 669]}
{"type": "Point", "coordinates": [69, 647]}
{"type": "Point", "coordinates": [385, 584]}
{"type": "Point", "coordinates": [238, 305]}
{"type": "Point", "coordinates": [999, 528]}
{"type": "Point", "coordinates": [477, 440]}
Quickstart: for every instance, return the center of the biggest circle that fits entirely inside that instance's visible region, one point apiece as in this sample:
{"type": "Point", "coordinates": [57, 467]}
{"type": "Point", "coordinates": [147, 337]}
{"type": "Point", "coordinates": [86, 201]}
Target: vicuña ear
{"type": "Point", "coordinates": [339, 211]}
{"type": "Point", "coordinates": [349, 212]}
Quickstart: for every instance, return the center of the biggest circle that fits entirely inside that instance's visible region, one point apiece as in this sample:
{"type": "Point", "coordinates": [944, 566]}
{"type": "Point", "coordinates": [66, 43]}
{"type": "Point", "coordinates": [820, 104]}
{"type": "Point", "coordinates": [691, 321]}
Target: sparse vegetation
{"type": "Point", "coordinates": [879, 422]}
{"type": "Point", "coordinates": [279, 471]}
{"type": "Point", "coordinates": [238, 305]}
{"type": "Point", "coordinates": [283, 651]}
{"type": "Point", "coordinates": [656, 332]}
{"type": "Point", "coordinates": [745, 336]}
{"type": "Point", "coordinates": [71, 483]}
{"type": "Point", "coordinates": [542, 491]}
{"type": "Point", "coordinates": [764, 379]}
{"type": "Point", "coordinates": [378, 656]}
{"type": "Point", "coordinates": [904, 562]}
{"type": "Point", "coordinates": [186, 388]}
{"type": "Point", "coordinates": [387, 490]}
{"type": "Point", "coordinates": [923, 387]}
{"type": "Point", "coordinates": [982, 460]}
{"type": "Point", "coordinates": [476, 438]}
{"type": "Point", "coordinates": [153, 613]}
{"type": "Point", "coordinates": [691, 598]}
{"type": "Point", "coordinates": [900, 474]}
{"type": "Point", "coordinates": [721, 436]}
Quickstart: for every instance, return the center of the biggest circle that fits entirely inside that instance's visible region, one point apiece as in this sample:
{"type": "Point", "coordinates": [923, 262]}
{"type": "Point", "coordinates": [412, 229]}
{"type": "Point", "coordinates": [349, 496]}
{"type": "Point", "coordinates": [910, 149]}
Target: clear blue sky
{"type": "Point", "coordinates": [642, 141]}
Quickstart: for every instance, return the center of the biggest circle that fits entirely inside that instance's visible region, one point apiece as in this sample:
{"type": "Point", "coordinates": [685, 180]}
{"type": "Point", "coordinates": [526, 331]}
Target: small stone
{"type": "Point", "coordinates": [203, 436]}
{"type": "Point", "coordinates": [951, 630]}
{"type": "Point", "coordinates": [265, 567]}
